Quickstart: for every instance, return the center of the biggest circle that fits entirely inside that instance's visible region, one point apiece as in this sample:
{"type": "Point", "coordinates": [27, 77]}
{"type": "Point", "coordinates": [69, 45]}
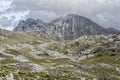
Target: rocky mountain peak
{"type": "Point", "coordinates": [30, 20]}
{"type": "Point", "coordinates": [39, 21]}
{"type": "Point", "coordinates": [69, 27]}
{"type": "Point", "coordinates": [31, 25]}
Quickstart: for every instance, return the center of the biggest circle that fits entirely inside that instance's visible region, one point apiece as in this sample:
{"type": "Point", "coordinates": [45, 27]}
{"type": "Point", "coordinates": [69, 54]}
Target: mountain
{"type": "Point", "coordinates": [69, 27]}
{"type": "Point", "coordinates": [32, 25]}
{"type": "Point", "coordinates": [30, 52]}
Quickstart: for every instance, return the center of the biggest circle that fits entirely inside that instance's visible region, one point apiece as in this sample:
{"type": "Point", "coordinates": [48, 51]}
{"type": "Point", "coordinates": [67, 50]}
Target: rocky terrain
{"type": "Point", "coordinates": [36, 55]}
{"type": "Point", "coordinates": [69, 27]}
{"type": "Point", "coordinates": [68, 48]}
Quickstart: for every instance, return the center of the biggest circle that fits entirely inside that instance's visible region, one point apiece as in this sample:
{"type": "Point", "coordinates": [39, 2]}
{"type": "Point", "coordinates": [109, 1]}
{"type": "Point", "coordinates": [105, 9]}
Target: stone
{"type": "Point", "coordinates": [69, 27]}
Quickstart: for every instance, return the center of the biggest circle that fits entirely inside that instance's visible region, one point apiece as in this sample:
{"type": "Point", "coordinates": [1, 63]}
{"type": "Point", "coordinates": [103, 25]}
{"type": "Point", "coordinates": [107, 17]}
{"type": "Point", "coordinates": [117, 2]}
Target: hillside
{"type": "Point", "coordinates": [41, 56]}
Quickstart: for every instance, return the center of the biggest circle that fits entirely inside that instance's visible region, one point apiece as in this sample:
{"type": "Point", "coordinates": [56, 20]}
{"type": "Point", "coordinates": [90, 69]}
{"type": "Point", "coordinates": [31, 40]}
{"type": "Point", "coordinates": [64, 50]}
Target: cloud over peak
{"type": "Point", "coordinates": [104, 12]}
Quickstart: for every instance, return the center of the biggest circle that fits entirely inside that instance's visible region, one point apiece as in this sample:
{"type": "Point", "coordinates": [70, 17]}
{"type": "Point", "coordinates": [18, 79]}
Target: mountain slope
{"type": "Point", "coordinates": [70, 27]}
{"type": "Point", "coordinates": [74, 26]}
{"type": "Point", "coordinates": [10, 37]}
{"type": "Point", "coordinates": [39, 56]}
{"type": "Point", "coordinates": [33, 25]}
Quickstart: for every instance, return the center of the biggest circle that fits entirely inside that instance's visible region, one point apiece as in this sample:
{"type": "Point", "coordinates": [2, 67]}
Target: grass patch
{"type": "Point", "coordinates": [12, 51]}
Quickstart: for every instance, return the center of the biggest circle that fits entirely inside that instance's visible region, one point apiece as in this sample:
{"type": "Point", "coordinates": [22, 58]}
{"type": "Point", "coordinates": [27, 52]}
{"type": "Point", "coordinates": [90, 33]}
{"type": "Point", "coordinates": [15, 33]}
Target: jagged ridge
{"type": "Point", "coordinates": [70, 27]}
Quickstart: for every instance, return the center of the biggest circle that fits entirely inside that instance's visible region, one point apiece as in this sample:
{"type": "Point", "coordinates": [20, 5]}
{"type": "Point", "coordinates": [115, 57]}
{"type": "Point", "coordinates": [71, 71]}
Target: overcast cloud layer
{"type": "Point", "coordinates": [104, 12]}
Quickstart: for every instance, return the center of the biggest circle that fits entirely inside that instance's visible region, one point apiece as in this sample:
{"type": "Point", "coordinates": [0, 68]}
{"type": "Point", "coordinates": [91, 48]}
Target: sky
{"type": "Point", "coordinates": [104, 12]}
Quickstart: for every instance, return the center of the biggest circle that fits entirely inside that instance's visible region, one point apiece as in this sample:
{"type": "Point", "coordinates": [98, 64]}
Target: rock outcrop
{"type": "Point", "coordinates": [39, 56]}
{"type": "Point", "coordinates": [70, 27]}
{"type": "Point", "coordinates": [32, 25]}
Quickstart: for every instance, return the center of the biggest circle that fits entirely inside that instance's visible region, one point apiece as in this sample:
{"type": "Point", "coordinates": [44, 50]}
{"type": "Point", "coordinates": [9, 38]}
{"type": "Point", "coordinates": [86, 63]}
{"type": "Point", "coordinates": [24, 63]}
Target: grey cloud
{"type": "Point", "coordinates": [44, 15]}
{"type": "Point", "coordinates": [107, 9]}
{"type": "Point", "coordinates": [104, 12]}
{"type": "Point", "coordinates": [62, 6]}
{"type": "Point", "coordinates": [11, 19]}
{"type": "Point", "coordinates": [5, 21]}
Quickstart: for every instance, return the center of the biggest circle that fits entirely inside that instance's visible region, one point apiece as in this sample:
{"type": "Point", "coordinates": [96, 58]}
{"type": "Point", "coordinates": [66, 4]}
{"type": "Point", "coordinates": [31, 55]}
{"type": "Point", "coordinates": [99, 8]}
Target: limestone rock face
{"type": "Point", "coordinates": [74, 26]}
{"type": "Point", "coordinates": [70, 27]}
{"type": "Point", "coordinates": [32, 25]}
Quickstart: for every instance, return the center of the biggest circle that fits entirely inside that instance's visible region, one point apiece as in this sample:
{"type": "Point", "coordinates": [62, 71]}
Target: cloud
{"type": "Point", "coordinates": [44, 15]}
{"type": "Point", "coordinates": [4, 5]}
{"type": "Point", "coordinates": [104, 12]}
{"type": "Point", "coordinates": [9, 17]}
{"type": "Point", "coordinates": [63, 6]}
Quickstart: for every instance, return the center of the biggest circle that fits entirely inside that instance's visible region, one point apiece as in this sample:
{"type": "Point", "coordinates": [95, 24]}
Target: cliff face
{"type": "Point", "coordinates": [32, 25]}
{"type": "Point", "coordinates": [74, 26]}
{"type": "Point", "coordinates": [70, 27]}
